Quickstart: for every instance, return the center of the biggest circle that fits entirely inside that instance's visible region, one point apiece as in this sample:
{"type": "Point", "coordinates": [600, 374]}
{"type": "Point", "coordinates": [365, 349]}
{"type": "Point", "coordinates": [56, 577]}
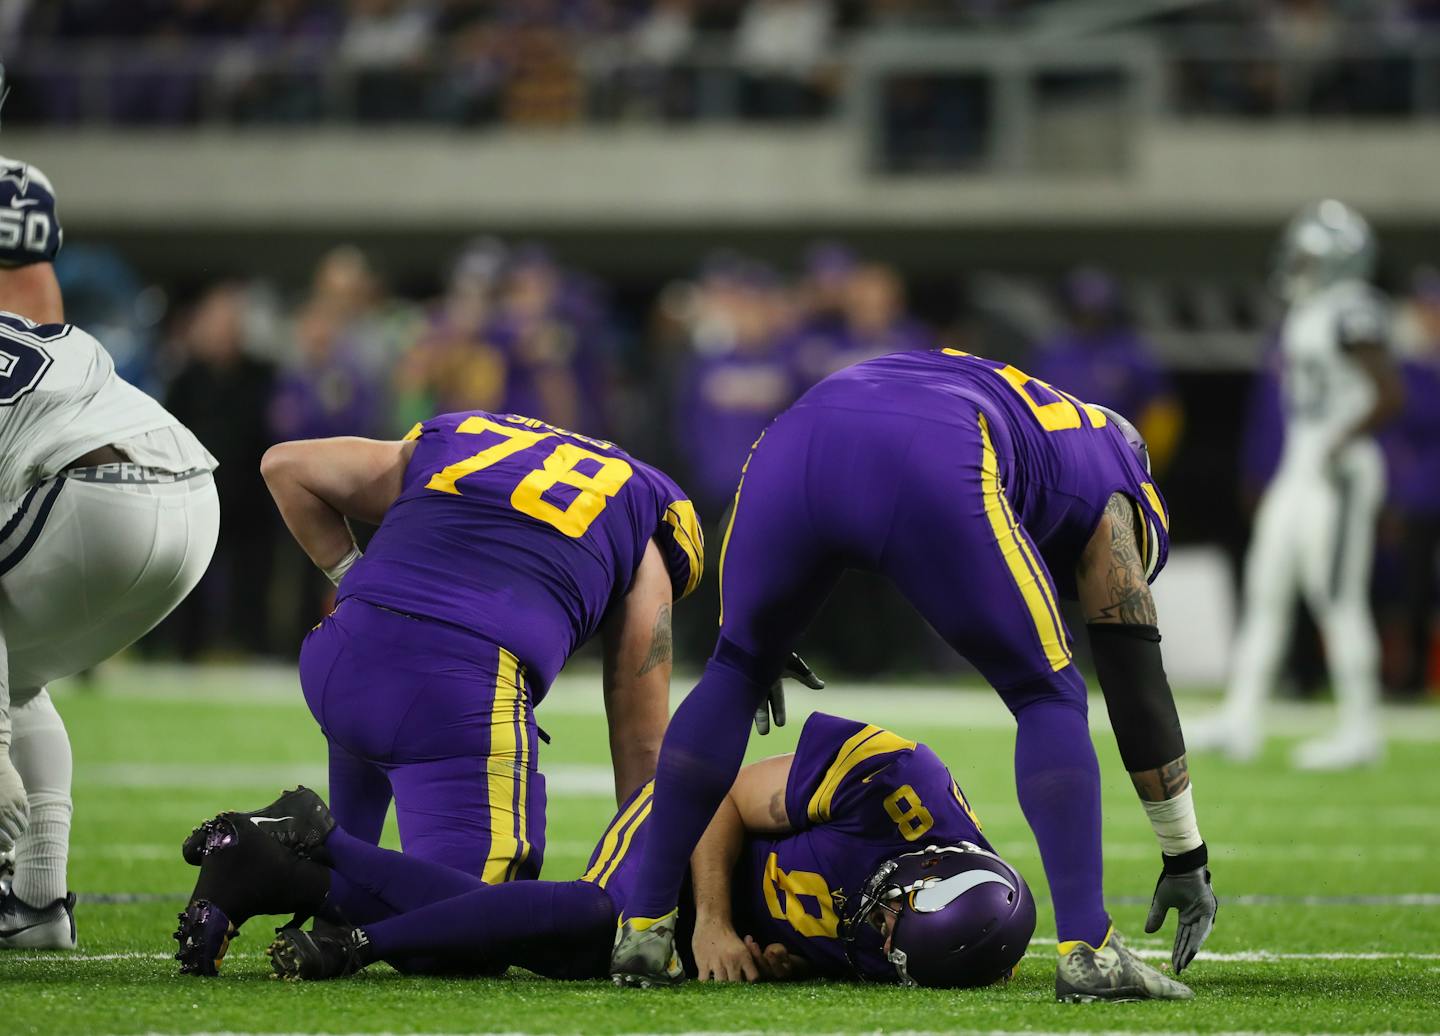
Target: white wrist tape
{"type": "Point", "coordinates": [336, 572]}
{"type": "Point", "coordinates": [1174, 823]}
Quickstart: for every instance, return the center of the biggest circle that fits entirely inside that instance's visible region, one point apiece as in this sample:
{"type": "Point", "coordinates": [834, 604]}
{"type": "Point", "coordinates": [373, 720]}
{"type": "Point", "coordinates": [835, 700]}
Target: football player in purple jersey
{"type": "Point", "coordinates": [857, 856]}
{"type": "Point", "coordinates": [503, 544]}
{"type": "Point", "coordinates": [984, 495]}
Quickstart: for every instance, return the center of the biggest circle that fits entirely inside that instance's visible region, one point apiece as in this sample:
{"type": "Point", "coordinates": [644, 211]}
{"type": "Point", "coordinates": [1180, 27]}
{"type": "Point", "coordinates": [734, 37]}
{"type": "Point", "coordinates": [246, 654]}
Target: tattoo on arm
{"type": "Point", "coordinates": [661, 642]}
{"type": "Point", "coordinates": [777, 809]}
{"type": "Point", "coordinates": [1129, 594]}
{"type": "Point", "coordinates": [1163, 783]}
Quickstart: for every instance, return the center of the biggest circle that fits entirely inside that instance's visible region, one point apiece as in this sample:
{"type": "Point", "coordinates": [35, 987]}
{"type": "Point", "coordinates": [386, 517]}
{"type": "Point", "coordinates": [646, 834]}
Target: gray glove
{"type": "Point", "coordinates": [774, 703]}
{"type": "Point", "coordinates": [1189, 893]}
{"type": "Point", "coordinates": [14, 806]}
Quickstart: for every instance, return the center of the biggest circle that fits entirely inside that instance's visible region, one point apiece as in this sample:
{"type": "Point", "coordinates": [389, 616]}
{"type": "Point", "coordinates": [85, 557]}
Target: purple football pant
{"type": "Point", "coordinates": [441, 720]}
{"type": "Point", "coordinates": [429, 918]}
{"type": "Point", "coordinates": [922, 502]}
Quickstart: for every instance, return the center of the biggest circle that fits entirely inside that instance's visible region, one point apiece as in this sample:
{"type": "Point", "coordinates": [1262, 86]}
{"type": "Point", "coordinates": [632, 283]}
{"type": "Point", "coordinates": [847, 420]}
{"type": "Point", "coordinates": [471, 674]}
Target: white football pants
{"type": "Point", "coordinates": [1315, 535]}
{"type": "Point", "coordinates": [86, 569]}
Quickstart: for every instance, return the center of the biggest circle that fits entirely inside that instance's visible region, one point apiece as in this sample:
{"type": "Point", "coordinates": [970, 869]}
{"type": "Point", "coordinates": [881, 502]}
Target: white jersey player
{"type": "Point", "coordinates": [108, 518]}
{"type": "Point", "coordinates": [1315, 527]}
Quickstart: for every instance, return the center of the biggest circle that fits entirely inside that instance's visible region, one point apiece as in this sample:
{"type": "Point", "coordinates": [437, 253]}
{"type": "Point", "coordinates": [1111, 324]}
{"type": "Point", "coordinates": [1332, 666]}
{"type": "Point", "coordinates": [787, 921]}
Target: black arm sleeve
{"type": "Point", "coordinates": [1137, 694]}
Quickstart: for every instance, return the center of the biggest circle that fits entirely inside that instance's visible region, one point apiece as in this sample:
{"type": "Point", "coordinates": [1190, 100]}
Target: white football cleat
{"type": "Point", "coordinates": [1343, 750]}
{"type": "Point", "coordinates": [23, 927]}
{"type": "Point", "coordinates": [1220, 732]}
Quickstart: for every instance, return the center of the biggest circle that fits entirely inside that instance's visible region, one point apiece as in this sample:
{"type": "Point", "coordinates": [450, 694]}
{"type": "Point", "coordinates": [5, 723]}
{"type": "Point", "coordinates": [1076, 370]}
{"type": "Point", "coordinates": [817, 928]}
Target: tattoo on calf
{"type": "Point", "coordinates": [661, 642]}
{"type": "Point", "coordinates": [1130, 599]}
{"type": "Point", "coordinates": [1164, 783]}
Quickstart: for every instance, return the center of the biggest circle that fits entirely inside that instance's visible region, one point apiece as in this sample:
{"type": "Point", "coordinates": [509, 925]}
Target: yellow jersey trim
{"type": "Point", "coordinates": [1155, 505]}
{"type": "Point", "coordinates": [414, 433]}
{"type": "Point", "coordinates": [869, 742]}
{"type": "Point", "coordinates": [681, 517]}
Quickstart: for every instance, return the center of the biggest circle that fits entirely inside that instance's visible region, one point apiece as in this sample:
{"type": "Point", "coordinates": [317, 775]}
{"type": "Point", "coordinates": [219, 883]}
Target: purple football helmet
{"type": "Point", "coordinates": [1133, 438]}
{"type": "Point", "coordinates": [962, 917]}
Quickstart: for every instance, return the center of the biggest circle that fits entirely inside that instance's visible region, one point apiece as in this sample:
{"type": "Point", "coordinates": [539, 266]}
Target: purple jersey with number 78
{"type": "Point", "coordinates": [524, 534]}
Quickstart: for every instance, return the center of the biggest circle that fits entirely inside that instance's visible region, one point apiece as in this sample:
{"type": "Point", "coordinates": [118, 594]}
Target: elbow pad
{"type": "Point", "coordinates": [1137, 694]}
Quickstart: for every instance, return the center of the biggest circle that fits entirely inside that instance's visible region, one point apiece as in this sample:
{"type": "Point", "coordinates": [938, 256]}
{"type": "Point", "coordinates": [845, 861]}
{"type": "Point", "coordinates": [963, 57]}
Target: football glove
{"type": "Point", "coordinates": [14, 805]}
{"type": "Point", "coordinates": [1188, 892]}
{"type": "Point", "coordinates": [774, 703]}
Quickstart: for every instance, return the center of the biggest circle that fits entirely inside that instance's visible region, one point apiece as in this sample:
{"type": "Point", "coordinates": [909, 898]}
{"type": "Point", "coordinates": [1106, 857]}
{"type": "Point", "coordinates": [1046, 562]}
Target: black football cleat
{"type": "Point", "coordinates": [299, 820]}
{"type": "Point", "coordinates": [204, 936]}
{"type": "Point", "coordinates": [243, 872]}
{"type": "Point", "coordinates": [300, 956]}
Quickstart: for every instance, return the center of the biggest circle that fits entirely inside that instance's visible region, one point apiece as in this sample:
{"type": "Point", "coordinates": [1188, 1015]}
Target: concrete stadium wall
{"type": "Point", "coordinates": [1219, 174]}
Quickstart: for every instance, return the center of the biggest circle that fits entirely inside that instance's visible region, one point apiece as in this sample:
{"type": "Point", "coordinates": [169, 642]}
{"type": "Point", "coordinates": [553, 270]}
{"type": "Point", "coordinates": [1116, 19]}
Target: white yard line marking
{"type": "Point", "coordinates": [579, 784]}
{"type": "Point", "coordinates": [872, 1032]}
{"type": "Point", "coordinates": [1229, 957]}
{"type": "Point", "coordinates": [958, 703]}
{"type": "Point", "coordinates": [573, 779]}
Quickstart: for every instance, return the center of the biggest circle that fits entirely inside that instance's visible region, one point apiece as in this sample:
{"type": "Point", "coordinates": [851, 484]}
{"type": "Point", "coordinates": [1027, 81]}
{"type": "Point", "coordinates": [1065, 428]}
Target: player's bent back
{"type": "Point", "coordinates": [522, 533]}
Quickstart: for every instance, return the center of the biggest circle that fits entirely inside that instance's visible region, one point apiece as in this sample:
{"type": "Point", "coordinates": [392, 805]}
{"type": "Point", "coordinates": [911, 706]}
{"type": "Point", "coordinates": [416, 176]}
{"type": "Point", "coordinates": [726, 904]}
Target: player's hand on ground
{"type": "Point", "coordinates": [1190, 895]}
{"type": "Point", "coordinates": [721, 956]}
{"type": "Point", "coordinates": [14, 805]}
{"type": "Point", "coordinates": [774, 703]}
{"type": "Point", "coordinates": [776, 963]}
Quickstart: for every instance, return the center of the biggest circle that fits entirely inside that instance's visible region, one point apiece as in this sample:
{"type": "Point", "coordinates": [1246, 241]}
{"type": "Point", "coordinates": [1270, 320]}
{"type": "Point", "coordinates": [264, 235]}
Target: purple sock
{"type": "Point", "coordinates": [702, 752]}
{"type": "Point", "coordinates": [1057, 778]}
{"type": "Point", "coordinates": [370, 883]}
{"type": "Point", "coordinates": [562, 929]}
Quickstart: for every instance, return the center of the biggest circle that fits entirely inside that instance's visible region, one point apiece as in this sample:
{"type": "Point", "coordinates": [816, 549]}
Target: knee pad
{"type": "Point", "coordinates": [40, 748]}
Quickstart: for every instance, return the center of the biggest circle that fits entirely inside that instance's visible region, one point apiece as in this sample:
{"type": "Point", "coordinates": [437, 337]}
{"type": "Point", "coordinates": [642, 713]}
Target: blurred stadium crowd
{"type": "Point", "coordinates": [687, 375]}
{"type": "Point", "coordinates": [548, 62]}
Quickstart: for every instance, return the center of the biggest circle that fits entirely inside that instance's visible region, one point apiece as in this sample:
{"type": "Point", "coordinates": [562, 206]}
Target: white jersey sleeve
{"type": "Point", "coordinates": [1327, 393]}
{"type": "Point", "coordinates": [60, 398]}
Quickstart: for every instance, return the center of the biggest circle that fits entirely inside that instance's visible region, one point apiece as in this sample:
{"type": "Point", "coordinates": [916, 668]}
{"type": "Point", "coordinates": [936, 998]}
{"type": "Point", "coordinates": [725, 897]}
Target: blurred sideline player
{"type": "Point", "coordinates": [1315, 527]}
{"type": "Point", "coordinates": [826, 859]}
{"type": "Point", "coordinates": [108, 518]}
{"type": "Point", "coordinates": [504, 543]}
{"type": "Point", "coordinates": [969, 484]}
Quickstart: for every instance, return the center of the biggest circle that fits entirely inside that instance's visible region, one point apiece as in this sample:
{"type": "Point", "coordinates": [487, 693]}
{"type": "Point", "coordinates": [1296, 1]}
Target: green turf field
{"type": "Point", "coordinates": [1330, 885]}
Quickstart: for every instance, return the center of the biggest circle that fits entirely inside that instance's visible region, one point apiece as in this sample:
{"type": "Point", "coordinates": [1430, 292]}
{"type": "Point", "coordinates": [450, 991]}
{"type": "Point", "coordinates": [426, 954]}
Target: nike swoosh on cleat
{"type": "Point", "coordinates": [257, 821]}
{"type": "Point", "coordinates": [10, 933]}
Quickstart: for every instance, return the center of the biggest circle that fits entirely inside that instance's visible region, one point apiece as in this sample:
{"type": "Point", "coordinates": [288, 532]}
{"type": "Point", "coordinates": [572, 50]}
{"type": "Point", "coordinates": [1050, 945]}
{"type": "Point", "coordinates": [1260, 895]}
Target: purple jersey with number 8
{"type": "Point", "coordinates": [524, 534]}
{"type": "Point", "coordinates": [857, 796]}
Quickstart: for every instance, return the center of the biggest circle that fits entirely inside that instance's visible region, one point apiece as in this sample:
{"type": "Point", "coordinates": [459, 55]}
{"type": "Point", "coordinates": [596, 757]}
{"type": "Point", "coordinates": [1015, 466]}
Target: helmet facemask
{"type": "Point", "coordinates": [912, 891]}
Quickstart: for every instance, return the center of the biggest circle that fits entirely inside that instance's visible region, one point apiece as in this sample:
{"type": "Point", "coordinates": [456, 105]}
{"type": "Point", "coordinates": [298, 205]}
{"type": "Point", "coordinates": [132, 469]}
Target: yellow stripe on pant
{"type": "Point", "coordinates": [1024, 567]}
{"type": "Point", "coordinates": [507, 773]}
{"type": "Point", "coordinates": [638, 822]}
{"type": "Point", "coordinates": [730, 525]}
{"type": "Point", "coordinates": [612, 850]}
